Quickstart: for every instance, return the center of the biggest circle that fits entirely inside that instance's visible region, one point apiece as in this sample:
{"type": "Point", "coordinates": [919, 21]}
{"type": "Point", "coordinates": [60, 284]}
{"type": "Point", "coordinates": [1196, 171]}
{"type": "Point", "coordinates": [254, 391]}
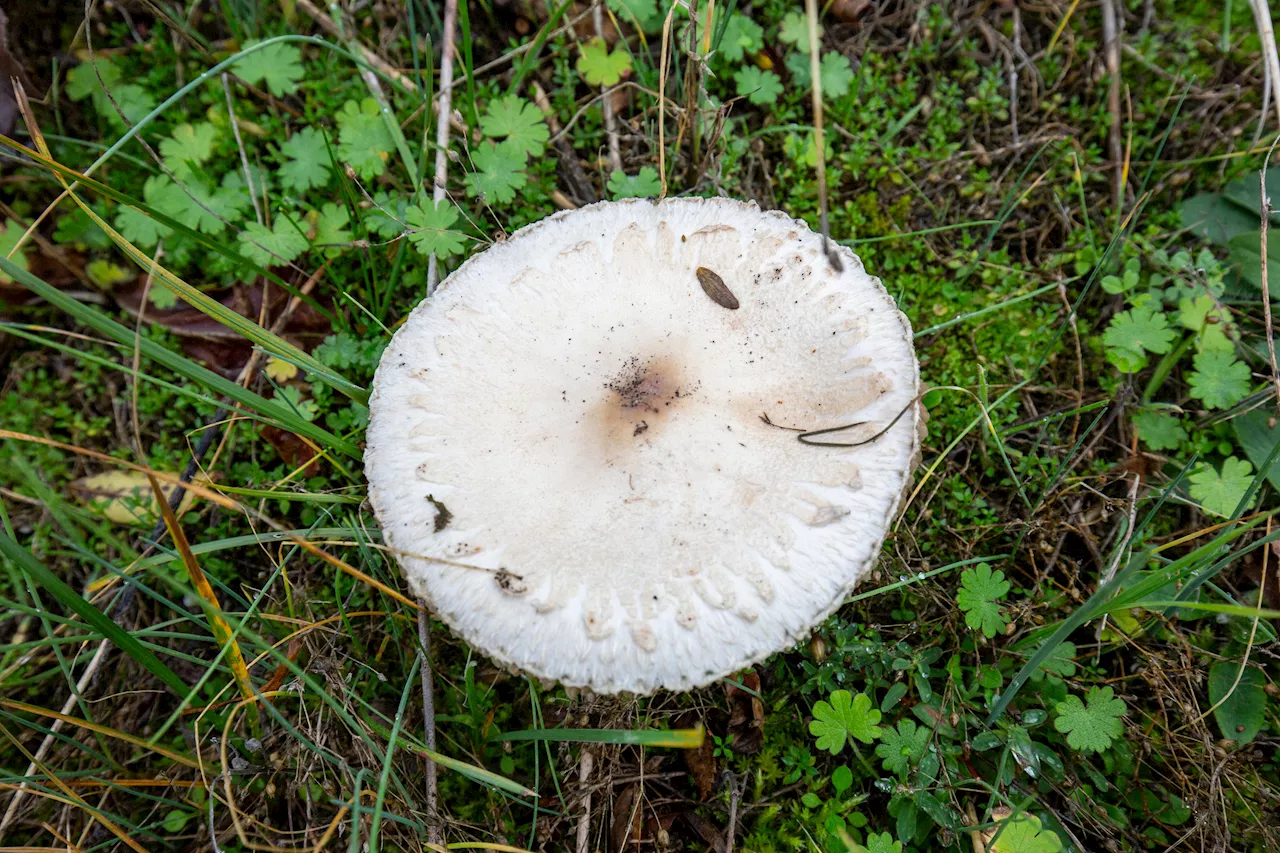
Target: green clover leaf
{"type": "Point", "coordinates": [308, 163]}
{"type": "Point", "coordinates": [189, 146]}
{"type": "Point", "coordinates": [1219, 379]}
{"type": "Point", "coordinates": [979, 597]}
{"type": "Point", "coordinates": [431, 225]}
{"type": "Point", "coordinates": [1159, 430]}
{"type": "Point", "coordinates": [1134, 333]}
{"type": "Point", "coordinates": [139, 228]}
{"type": "Point", "coordinates": [741, 36]}
{"type": "Point", "coordinates": [845, 717]}
{"type": "Point", "coordinates": [278, 65]}
{"type": "Point", "coordinates": [519, 121]}
{"type": "Point", "coordinates": [599, 67]}
{"type": "Point", "coordinates": [1025, 834]}
{"type": "Point", "coordinates": [1091, 725]}
{"type": "Point", "coordinates": [882, 842]}
{"type": "Point", "coordinates": [794, 29]}
{"type": "Point", "coordinates": [331, 232]}
{"type": "Point", "coordinates": [205, 208]}
{"type": "Point", "coordinates": [643, 185]}
{"type": "Point", "coordinates": [758, 86]}
{"type": "Point", "coordinates": [133, 100]}
{"type": "Point", "coordinates": [363, 139]}
{"type": "Point", "coordinates": [635, 11]}
{"type": "Point", "coordinates": [1220, 492]}
{"type": "Point", "coordinates": [835, 72]}
{"type": "Point", "coordinates": [284, 241]}
{"type": "Point", "coordinates": [499, 172]}
{"type": "Point", "coordinates": [902, 747]}
{"type": "Point", "coordinates": [387, 216]}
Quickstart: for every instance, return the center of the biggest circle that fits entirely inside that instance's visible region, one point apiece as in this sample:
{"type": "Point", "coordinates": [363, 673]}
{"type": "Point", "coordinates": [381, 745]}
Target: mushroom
{"type": "Point", "coordinates": [584, 447]}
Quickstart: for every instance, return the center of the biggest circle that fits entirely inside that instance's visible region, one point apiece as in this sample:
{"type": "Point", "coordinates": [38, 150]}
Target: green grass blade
{"type": "Point", "coordinates": [675, 738]}
{"type": "Point", "coordinates": [476, 774]}
{"type": "Point", "coordinates": [123, 640]}
{"type": "Point", "coordinates": [210, 307]}
{"type": "Point", "coordinates": [270, 411]}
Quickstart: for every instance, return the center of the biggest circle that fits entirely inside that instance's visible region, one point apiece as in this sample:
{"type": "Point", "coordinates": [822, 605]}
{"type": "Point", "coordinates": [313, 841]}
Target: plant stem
{"type": "Point", "coordinates": [1165, 366]}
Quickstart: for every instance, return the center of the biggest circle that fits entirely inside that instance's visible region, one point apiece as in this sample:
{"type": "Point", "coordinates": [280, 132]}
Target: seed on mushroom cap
{"type": "Point", "coordinates": [619, 516]}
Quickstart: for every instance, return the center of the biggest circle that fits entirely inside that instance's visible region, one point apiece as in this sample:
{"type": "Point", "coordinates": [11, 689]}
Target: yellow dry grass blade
{"type": "Point", "coordinates": [1062, 25]}
{"type": "Point", "coordinates": [69, 796]}
{"type": "Point", "coordinates": [226, 503]}
{"type": "Point", "coordinates": [217, 622]}
{"type": "Point", "coordinates": [176, 757]}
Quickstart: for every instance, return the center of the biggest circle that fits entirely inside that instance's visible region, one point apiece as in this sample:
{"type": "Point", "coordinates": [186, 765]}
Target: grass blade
{"type": "Point", "coordinates": [675, 738]}
{"type": "Point", "coordinates": [269, 411]}
{"type": "Point", "coordinates": [217, 622]}
{"type": "Point", "coordinates": [176, 757]}
{"type": "Point", "coordinates": [122, 639]}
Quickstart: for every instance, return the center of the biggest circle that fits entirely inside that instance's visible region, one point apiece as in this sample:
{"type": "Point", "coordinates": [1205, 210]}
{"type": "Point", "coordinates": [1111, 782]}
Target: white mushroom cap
{"type": "Point", "coordinates": [566, 447]}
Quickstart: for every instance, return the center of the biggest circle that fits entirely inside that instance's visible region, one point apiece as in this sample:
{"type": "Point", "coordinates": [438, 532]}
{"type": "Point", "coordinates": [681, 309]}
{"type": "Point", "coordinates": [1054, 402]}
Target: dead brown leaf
{"type": "Point", "coordinates": [219, 346]}
{"type": "Point", "coordinates": [293, 450]}
{"type": "Point", "coordinates": [706, 831]}
{"type": "Point", "coordinates": [701, 762]}
{"type": "Point", "coordinates": [849, 11]}
{"type": "Point", "coordinates": [626, 819]}
{"type": "Point", "coordinates": [746, 713]}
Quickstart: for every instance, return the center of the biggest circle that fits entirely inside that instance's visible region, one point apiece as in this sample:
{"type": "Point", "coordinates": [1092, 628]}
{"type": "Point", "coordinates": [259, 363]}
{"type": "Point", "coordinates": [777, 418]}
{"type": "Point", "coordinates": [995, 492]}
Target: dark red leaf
{"type": "Point", "coordinates": [294, 452]}
{"type": "Point", "coordinates": [701, 761]}
{"type": "Point", "coordinates": [746, 713]}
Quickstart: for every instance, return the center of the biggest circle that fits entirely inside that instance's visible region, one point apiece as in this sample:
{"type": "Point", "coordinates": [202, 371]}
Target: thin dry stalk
{"type": "Point", "coordinates": [578, 183]}
{"type": "Point", "coordinates": [444, 106]}
{"type": "Point", "coordinates": [584, 823]}
{"type": "Point", "coordinates": [435, 834]}
{"type": "Point", "coordinates": [443, 110]}
{"type": "Point", "coordinates": [383, 67]}
{"type": "Point", "coordinates": [244, 158]}
{"type": "Point", "coordinates": [815, 76]}
{"type": "Point", "coordinates": [1130, 518]}
{"type": "Point", "coordinates": [610, 120]}
{"type": "Point", "coordinates": [664, 56]}
{"type": "Point", "coordinates": [82, 685]}
{"type": "Point", "coordinates": [136, 365]}
{"type": "Point", "coordinates": [1271, 55]}
{"type": "Point", "coordinates": [735, 795]}
{"type": "Point", "coordinates": [1111, 48]}
{"type": "Point", "coordinates": [1265, 210]}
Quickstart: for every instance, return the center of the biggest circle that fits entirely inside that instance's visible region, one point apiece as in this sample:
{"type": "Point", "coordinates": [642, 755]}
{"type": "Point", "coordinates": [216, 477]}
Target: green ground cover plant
{"type": "Point", "coordinates": [214, 215]}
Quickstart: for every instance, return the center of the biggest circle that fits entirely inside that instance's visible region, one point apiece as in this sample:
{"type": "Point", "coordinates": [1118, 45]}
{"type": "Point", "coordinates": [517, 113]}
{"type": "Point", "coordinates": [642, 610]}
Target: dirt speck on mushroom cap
{"type": "Point", "coordinates": [592, 420]}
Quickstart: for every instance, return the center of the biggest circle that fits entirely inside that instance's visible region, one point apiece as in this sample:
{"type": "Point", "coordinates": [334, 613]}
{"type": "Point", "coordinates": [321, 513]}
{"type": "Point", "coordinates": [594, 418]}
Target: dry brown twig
{"type": "Point", "coordinates": [1111, 52]}
{"type": "Point", "coordinates": [435, 834]}
{"type": "Point", "coordinates": [1264, 208]}
{"type": "Point", "coordinates": [584, 823]}
{"type": "Point", "coordinates": [1270, 55]}
{"type": "Point", "coordinates": [244, 157]}
{"type": "Point", "coordinates": [444, 107]}
{"type": "Point", "coordinates": [815, 82]}
{"type": "Point", "coordinates": [327, 24]}
{"type": "Point", "coordinates": [578, 183]}
{"type": "Point", "coordinates": [610, 120]}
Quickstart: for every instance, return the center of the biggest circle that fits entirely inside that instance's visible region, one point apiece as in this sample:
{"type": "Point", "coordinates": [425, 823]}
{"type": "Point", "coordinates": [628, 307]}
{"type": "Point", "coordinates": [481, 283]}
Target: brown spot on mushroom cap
{"type": "Point", "coordinates": [637, 402]}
